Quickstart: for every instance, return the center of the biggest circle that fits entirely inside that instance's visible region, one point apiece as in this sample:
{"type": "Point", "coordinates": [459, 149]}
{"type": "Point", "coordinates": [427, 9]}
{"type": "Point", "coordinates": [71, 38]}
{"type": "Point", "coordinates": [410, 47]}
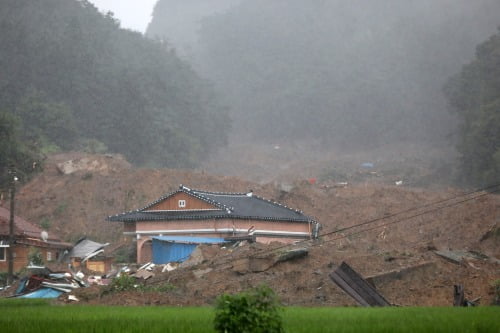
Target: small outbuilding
{"type": "Point", "coordinates": [90, 255]}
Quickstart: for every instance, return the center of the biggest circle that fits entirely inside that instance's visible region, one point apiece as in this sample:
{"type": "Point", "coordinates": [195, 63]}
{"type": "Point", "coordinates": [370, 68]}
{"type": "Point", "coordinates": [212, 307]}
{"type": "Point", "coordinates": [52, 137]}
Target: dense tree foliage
{"type": "Point", "coordinates": [349, 73]}
{"type": "Point", "coordinates": [17, 159]}
{"type": "Point", "coordinates": [73, 79]}
{"type": "Point", "coordinates": [474, 94]}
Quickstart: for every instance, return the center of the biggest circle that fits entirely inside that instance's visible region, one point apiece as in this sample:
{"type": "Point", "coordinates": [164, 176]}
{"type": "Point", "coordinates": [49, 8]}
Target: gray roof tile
{"type": "Point", "coordinates": [230, 205]}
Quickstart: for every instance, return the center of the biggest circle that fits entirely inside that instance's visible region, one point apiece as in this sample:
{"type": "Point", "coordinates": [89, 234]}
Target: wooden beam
{"type": "Point", "coordinates": [357, 287]}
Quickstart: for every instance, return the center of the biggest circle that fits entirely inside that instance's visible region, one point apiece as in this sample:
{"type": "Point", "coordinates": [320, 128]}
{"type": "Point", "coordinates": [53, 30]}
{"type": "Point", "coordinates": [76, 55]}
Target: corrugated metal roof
{"type": "Point", "coordinates": [85, 247]}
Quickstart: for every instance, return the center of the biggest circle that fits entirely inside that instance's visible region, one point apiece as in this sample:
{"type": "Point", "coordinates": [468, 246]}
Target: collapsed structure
{"type": "Point", "coordinates": [90, 255]}
{"type": "Point", "coordinates": [195, 213]}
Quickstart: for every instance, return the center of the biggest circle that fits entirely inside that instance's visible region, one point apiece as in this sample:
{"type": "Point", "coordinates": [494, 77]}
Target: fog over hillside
{"type": "Point", "coordinates": [182, 20]}
{"type": "Point", "coordinates": [349, 74]}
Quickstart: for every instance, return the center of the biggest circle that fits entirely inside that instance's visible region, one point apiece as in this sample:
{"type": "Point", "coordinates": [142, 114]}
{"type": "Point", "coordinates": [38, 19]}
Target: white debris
{"type": "Point", "coordinates": [73, 298]}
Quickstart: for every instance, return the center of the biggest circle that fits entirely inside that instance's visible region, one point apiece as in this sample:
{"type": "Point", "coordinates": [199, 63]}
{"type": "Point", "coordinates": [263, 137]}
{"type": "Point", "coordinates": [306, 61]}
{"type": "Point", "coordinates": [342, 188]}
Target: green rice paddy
{"type": "Point", "coordinates": [20, 315]}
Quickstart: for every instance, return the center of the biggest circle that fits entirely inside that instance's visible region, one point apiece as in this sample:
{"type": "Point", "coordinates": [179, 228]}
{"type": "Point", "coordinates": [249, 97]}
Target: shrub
{"type": "Point", "coordinates": [45, 223]}
{"type": "Point", "coordinates": [35, 257]}
{"type": "Point", "coordinates": [257, 310]}
{"type": "Point", "coordinates": [123, 283]}
{"type": "Point", "coordinates": [87, 176]}
{"type": "Point", "coordinates": [3, 278]}
{"type": "Point", "coordinates": [496, 292]}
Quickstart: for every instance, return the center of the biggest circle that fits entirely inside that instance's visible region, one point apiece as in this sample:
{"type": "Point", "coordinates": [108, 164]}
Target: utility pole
{"type": "Point", "coordinates": [11, 227]}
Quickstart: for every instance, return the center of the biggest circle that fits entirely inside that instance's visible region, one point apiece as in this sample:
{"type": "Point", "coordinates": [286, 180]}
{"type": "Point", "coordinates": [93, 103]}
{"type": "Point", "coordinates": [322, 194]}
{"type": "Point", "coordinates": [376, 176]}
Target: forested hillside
{"type": "Point", "coordinates": [71, 79]}
{"type": "Point", "coordinates": [350, 74]}
{"type": "Point", "coordinates": [474, 94]}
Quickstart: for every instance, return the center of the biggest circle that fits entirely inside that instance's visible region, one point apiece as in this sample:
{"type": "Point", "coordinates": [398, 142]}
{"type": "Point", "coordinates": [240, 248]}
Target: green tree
{"type": "Point", "coordinates": [253, 311]}
{"type": "Point", "coordinates": [72, 76]}
{"type": "Point", "coordinates": [48, 125]}
{"type": "Point", "coordinates": [35, 257]}
{"type": "Point", "coordinates": [326, 70]}
{"type": "Point", "coordinates": [15, 155]}
{"type": "Point", "coordinates": [474, 94]}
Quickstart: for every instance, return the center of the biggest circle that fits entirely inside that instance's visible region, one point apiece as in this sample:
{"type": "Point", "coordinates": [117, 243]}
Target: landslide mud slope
{"type": "Point", "coordinates": [400, 228]}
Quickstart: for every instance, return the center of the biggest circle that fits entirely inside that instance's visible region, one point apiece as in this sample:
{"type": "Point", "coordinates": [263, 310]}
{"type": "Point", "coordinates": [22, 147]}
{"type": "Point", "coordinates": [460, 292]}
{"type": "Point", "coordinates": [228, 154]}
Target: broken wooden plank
{"type": "Point", "coordinates": [347, 288]}
{"type": "Point", "coordinates": [143, 274]}
{"type": "Point", "coordinates": [357, 287]}
{"type": "Point", "coordinates": [458, 295]}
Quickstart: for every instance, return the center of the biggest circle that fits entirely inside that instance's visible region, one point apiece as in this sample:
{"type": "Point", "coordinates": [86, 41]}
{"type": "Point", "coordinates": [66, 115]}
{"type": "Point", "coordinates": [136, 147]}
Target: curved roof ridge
{"type": "Point", "coordinates": [160, 199]}
{"type": "Point", "coordinates": [235, 205]}
{"type": "Point", "coordinates": [221, 193]}
{"type": "Point", "coordinates": [196, 193]}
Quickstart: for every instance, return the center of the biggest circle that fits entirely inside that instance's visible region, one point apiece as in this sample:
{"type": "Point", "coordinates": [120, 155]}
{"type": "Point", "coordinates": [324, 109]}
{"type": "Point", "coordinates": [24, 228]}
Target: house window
{"type": "Point", "coordinates": [2, 254]}
{"type": "Point", "coordinates": [49, 256]}
{"type": "Point", "coordinates": [182, 203]}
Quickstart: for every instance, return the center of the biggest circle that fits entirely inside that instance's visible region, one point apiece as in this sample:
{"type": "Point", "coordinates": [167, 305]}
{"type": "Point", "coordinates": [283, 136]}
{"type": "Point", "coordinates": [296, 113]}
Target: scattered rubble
{"type": "Point", "coordinates": [459, 297]}
{"type": "Point", "coordinates": [387, 277]}
{"type": "Point", "coordinates": [43, 283]}
{"type": "Point", "coordinates": [261, 263]}
{"type": "Point", "coordinates": [472, 225]}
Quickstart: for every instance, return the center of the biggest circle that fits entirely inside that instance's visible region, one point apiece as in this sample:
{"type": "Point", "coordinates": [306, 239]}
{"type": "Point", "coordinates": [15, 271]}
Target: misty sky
{"type": "Point", "coordinates": [133, 14]}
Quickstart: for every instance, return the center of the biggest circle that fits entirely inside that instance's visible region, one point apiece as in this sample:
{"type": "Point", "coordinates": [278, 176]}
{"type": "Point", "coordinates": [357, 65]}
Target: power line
{"type": "Point", "coordinates": [490, 190]}
{"type": "Point", "coordinates": [411, 217]}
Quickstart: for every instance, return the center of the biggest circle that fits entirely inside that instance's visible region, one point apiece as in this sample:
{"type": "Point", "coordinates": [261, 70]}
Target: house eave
{"type": "Point", "coordinates": [262, 233]}
{"type": "Point", "coordinates": [159, 218]}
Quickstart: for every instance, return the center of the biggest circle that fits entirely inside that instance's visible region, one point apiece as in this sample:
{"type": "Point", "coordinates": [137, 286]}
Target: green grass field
{"type": "Point", "coordinates": [19, 315]}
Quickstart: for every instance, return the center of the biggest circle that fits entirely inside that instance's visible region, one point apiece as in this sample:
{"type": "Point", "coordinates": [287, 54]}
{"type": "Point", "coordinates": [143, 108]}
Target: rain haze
{"type": "Point", "coordinates": [350, 77]}
{"type": "Point", "coordinates": [133, 14]}
{"type": "Point", "coordinates": [256, 88]}
{"type": "Point", "coordinates": [370, 127]}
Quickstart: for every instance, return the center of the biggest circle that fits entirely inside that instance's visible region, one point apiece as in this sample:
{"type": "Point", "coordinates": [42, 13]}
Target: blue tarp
{"type": "Point", "coordinates": [177, 248]}
{"type": "Point", "coordinates": [43, 293]}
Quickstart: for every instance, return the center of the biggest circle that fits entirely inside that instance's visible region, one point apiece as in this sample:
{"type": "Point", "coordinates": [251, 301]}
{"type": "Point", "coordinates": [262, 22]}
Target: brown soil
{"type": "Point", "coordinates": [75, 205]}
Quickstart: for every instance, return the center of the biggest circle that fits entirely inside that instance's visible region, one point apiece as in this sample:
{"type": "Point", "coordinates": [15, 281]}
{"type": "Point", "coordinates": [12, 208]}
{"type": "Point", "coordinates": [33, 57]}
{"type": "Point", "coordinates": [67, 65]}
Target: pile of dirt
{"type": "Point", "coordinates": [417, 278]}
{"type": "Point", "coordinates": [399, 229]}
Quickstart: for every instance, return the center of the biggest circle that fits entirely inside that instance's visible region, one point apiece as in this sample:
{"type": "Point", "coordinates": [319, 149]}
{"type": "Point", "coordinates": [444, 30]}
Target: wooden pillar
{"type": "Point", "coordinates": [458, 295]}
{"type": "Point", "coordinates": [10, 252]}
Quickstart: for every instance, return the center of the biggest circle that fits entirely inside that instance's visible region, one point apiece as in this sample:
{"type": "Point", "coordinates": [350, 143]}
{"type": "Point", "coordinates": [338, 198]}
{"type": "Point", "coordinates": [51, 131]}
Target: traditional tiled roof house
{"type": "Point", "coordinates": [189, 212]}
{"type": "Point", "coordinates": [27, 236]}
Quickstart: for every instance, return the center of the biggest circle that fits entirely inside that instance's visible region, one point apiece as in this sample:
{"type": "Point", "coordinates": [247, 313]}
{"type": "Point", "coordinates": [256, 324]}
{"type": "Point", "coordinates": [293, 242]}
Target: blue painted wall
{"type": "Point", "coordinates": [165, 252]}
{"type": "Point", "coordinates": [178, 248]}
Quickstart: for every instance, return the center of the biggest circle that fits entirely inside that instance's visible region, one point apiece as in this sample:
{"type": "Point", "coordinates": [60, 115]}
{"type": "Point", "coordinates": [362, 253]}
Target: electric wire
{"type": "Point", "coordinates": [489, 189]}
{"type": "Point", "coordinates": [464, 197]}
